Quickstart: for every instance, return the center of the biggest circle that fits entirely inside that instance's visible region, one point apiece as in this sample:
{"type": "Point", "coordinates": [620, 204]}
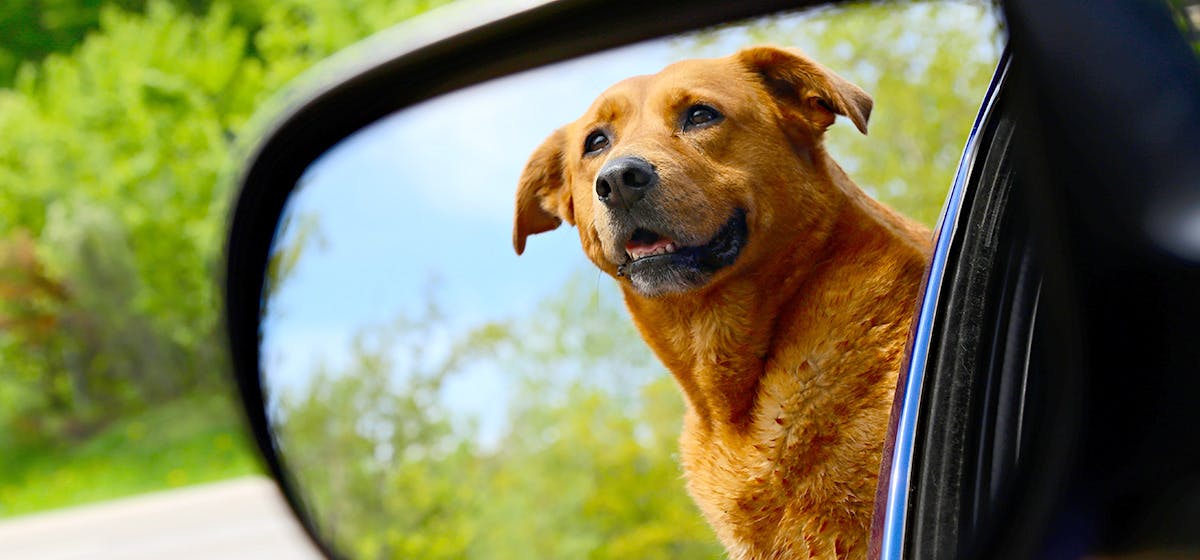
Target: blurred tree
{"type": "Point", "coordinates": [114, 165]}
{"type": "Point", "coordinates": [926, 64]}
{"type": "Point", "coordinates": [36, 28]}
{"type": "Point", "coordinates": [590, 453]}
{"type": "Point", "coordinates": [29, 301]}
{"type": "Point", "coordinates": [111, 160]}
{"type": "Point", "coordinates": [384, 464]}
{"type": "Point", "coordinates": [927, 68]}
{"type": "Point", "coordinates": [585, 468]}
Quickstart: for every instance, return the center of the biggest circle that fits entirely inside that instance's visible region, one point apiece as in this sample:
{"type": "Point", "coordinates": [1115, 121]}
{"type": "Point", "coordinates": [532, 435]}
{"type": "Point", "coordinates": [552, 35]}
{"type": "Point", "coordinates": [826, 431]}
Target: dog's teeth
{"type": "Point", "coordinates": [643, 252]}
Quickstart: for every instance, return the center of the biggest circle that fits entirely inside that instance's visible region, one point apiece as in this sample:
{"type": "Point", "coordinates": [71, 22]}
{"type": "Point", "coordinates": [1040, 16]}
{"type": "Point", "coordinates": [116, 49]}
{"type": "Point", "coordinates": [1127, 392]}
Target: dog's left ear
{"type": "Point", "coordinates": [816, 91]}
{"type": "Point", "coordinates": [543, 197]}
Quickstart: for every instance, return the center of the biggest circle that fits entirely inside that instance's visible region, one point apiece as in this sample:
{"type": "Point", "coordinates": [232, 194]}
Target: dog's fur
{"type": "Point", "coordinates": [787, 336]}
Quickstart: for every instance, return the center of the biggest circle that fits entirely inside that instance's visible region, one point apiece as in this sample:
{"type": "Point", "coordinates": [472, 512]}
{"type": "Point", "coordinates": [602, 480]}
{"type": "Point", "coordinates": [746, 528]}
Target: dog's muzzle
{"type": "Point", "coordinates": [657, 265]}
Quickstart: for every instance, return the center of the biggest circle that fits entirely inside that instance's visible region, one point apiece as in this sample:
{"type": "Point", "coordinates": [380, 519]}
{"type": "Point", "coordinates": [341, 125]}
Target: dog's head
{"type": "Point", "coordinates": [677, 179]}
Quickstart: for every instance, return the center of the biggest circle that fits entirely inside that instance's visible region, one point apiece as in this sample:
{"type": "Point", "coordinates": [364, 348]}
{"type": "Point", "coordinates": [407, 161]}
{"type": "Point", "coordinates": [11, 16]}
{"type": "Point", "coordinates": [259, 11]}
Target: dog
{"type": "Point", "coordinates": [777, 293]}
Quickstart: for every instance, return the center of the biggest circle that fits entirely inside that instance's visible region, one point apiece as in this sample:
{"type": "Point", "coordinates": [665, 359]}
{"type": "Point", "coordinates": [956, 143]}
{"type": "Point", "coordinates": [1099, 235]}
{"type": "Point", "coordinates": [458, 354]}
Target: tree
{"type": "Point", "coordinates": [35, 29]}
{"type": "Point", "coordinates": [379, 461]}
{"type": "Point", "coordinates": [926, 64]}
{"type": "Point", "coordinates": [589, 466]}
{"type": "Point", "coordinates": [586, 466]}
{"type": "Point", "coordinates": [112, 165]}
{"type": "Point", "coordinates": [116, 165]}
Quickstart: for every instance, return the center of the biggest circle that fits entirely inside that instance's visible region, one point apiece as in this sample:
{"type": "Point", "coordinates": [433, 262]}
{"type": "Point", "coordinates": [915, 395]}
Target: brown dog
{"type": "Point", "coordinates": [777, 293]}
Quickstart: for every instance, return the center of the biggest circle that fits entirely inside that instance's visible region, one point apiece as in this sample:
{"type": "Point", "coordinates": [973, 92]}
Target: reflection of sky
{"type": "Point", "coordinates": [424, 199]}
{"type": "Point", "coordinates": [428, 193]}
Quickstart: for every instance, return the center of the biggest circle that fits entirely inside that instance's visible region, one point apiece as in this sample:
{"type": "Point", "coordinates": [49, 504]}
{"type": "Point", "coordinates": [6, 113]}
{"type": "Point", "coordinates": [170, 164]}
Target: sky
{"type": "Point", "coordinates": [424, 199]}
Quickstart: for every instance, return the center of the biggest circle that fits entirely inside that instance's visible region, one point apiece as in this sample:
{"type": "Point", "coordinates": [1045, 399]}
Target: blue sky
{"type": "Point", "coordinates": [425, 198]}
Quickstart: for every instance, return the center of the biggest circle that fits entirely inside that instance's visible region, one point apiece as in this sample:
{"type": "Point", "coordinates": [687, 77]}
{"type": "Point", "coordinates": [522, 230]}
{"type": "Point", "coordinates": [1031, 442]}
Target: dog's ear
{"type": "Point", "coordinates": [543, 198]}
{"type": "Point", "coordinates": [815, 90]}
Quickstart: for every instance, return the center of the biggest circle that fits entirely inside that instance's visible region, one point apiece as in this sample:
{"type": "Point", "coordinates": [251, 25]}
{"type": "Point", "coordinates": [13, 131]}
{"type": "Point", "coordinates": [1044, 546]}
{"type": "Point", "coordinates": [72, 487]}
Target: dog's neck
{"type": "Point", "coordinates": [728, 330]}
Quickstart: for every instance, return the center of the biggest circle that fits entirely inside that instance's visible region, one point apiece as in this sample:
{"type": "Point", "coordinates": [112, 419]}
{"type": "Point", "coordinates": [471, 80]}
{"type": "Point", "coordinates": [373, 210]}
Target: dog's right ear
{"type": "Point", "coordinates": [543, 198]}
{"type": "Point", "coordinates": [816, 92]}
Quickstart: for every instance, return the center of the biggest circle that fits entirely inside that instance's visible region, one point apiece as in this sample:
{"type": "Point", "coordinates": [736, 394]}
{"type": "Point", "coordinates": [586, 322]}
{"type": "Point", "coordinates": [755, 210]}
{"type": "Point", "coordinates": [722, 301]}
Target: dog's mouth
{"type": "Point", "coordinates": [657, 264]}
{"type": "Point", "coordinates": [645, 243]}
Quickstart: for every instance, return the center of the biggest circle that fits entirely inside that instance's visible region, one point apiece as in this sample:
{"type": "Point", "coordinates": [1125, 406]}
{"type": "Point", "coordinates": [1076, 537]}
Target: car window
{"type": "Point", "coordinates": [435, 396]}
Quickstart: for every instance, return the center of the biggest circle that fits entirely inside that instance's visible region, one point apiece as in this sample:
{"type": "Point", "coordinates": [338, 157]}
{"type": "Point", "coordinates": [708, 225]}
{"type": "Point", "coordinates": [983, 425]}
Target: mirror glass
{"type": "Point", "coordinates": [436, 396]}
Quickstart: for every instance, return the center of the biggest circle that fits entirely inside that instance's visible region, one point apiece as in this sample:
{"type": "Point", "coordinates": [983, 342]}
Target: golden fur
{"type": "Point", "coordinates": [787, 357]}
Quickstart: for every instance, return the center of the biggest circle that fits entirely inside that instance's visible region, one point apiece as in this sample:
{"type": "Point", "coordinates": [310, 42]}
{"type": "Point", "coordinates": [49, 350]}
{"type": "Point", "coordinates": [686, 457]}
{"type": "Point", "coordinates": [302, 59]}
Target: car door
{"type": "Point", "coordinates": [1050, 386]}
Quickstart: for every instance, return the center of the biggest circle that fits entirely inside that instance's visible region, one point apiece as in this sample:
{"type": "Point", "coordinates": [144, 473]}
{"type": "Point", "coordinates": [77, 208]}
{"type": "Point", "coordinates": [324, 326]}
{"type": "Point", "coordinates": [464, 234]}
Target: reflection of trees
{"type": "Point", "coordinates": [372, 443]}
{"type": "Point", "coordinates": [298, 233]}
{"type": "Point", "coordinates": [585, 467]}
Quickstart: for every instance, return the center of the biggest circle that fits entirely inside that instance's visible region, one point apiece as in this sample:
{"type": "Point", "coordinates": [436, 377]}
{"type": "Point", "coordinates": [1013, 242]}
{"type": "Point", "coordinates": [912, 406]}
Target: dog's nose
{"type": "Point", "coordinates": [624, 181]}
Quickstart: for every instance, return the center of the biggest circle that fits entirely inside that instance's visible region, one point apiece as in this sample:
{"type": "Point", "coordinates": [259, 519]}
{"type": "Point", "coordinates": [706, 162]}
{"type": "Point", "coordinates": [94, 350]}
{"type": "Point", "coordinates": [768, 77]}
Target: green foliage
{"type": "Point", "coordinates": [113, 194]}
{"type": "Point", "coordinates": [926, 64]}
{"type": "Point", "coordinates": [112, 162]}
{"type": "Point", "coordinates": [597, 470]}
{"type": "Point", "coordinates": [184, 442]}
{"type": "Point", "coordinates": [585, 467]}
{"type": "Point", "coordinates": [359, 413]}
{"type": "Point", "coordinates": [33, 29]}
{"type": "Point", "coordinates": [928, 70]}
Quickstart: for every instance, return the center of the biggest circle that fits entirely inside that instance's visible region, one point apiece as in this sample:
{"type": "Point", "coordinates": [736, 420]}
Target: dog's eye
{"type": "Point", "coordinates": [699, 115]}
{"type": "Point", "coordinates": [595, 142]}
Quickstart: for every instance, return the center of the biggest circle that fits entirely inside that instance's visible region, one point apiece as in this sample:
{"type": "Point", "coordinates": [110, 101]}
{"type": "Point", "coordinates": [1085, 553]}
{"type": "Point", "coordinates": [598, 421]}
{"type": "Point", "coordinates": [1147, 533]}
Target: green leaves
{"type": "Point", "coordinates": [115, 164]}
{"type": "Point", "coordinates": [928, 72]}
{"type": "Point", "coordinates": [112, 162]}
{"type": "Point", "coordinates": [585, 465]}
{"type": "Point", "coordinates": [926, 64]}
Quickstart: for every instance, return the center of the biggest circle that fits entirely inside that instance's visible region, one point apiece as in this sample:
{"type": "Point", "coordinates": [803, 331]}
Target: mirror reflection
{"type": "Point", "coordinates": [435, 396]}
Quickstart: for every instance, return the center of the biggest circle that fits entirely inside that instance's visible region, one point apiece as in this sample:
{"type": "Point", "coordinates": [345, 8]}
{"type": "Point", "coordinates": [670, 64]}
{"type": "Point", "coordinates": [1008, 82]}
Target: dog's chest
{"type": "Point", "coordinates": [778, 488]}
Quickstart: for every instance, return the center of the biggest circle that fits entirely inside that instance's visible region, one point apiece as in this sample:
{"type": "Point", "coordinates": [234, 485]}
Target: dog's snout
{"type": "Point", "coordinates": [624, 181]}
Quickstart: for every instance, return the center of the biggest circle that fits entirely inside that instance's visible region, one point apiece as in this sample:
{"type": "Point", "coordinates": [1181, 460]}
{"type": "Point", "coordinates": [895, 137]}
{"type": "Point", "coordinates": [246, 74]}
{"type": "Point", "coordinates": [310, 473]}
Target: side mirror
{"type": "Point", "coordinates": [414, 388]}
